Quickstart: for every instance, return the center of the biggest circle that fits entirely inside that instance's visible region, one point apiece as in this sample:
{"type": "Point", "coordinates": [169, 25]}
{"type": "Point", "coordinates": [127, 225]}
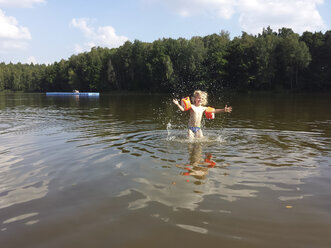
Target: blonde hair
{"type": "Point", "coordinates": [203, 95]}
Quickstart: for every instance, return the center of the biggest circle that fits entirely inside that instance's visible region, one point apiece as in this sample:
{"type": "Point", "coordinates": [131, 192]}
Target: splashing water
{"type": "Point", "coordinates": [178, 134]}
{"type": "Point", "coordinates": [170, 136]}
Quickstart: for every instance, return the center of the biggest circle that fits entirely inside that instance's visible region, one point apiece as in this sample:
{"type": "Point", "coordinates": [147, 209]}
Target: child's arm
{"type": "Point", "coordinates": [175, 101]}
{"type": "Point", "coordinates": [226, 109]}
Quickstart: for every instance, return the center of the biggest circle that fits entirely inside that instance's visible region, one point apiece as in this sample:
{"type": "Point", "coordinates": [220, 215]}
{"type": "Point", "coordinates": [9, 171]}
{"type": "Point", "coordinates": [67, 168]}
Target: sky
{"type": "Point", "coordinates": [46, 31]}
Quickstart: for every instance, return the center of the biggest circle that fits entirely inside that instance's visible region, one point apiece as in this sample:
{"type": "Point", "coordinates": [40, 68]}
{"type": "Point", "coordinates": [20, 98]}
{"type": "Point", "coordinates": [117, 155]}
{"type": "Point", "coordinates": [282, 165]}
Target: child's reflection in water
{"type": "Point", "coordinates": [199, 165]}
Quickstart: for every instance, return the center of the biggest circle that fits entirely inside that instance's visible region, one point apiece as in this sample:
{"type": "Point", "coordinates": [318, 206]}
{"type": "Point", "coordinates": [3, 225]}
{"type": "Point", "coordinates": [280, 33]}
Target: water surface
{"type": "Point", "coordinates": [118, 171]}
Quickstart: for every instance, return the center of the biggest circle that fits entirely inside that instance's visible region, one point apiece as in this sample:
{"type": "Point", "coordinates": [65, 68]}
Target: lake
{"type": "Point", "coordinates": [118, 171]}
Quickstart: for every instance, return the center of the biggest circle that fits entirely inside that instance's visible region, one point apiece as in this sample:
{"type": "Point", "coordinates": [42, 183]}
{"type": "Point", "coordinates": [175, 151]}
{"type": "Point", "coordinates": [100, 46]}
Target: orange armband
{"type": "Point", "coordinates": [186, 103]}
{"type": "Point", "coordinates": [209, 113]}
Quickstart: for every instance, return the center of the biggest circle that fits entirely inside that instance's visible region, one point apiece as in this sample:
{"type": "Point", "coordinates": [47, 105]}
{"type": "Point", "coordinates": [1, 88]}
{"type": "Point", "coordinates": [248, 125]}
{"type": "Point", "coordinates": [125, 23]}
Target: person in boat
{"type": "Point", "coordinates": [200, 100]}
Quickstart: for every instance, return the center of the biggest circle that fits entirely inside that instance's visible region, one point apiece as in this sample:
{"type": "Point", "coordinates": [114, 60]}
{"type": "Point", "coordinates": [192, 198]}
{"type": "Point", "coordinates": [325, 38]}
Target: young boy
{"type": "Point", "coordinates": [198, 107]}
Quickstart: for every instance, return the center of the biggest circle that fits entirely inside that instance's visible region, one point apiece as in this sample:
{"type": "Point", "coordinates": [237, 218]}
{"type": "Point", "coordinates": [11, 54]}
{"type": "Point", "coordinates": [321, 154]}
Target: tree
{"type": "Point", "coordinates": [160, 66]}
{"type": "Point", "coordinates": [293, 56]}
{"type": "Point", "coordinates": [241, 69]}
{"type": "Point", "coordinates": [121, 61]}
{"type": "Point", "coordinates": [265, 46]}
{"type": "Point", "coordinates": [266, 61]}
{"type": "Point", "coordinates": [215, 61]}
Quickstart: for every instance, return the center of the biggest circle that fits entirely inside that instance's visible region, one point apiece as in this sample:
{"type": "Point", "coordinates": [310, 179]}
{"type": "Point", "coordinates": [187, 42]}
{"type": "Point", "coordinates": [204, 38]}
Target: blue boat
{"type": "Point", "coordinates": [72, 93]}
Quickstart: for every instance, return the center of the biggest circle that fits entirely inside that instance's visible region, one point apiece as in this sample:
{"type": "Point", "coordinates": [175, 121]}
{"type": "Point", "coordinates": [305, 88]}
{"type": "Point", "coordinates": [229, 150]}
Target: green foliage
{"type": "Point", "coordinates": [319, 70]}
{"type": "Point", "coordinates": [265, 47]}
{"type": "Point", "coordinates": [215, 61]}
{"type": "Point", "coordinates": [270, 60]}
{"type": "Point", "coordinates": [293, 56]}
{"type": "Point", "coordinates": [241, 62]}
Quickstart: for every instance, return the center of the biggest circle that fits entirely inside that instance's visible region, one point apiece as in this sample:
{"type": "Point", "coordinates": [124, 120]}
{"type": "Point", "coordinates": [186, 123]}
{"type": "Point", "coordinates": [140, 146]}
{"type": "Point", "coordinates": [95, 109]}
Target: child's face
{"type": "Point", "coordinates": [198, 100]}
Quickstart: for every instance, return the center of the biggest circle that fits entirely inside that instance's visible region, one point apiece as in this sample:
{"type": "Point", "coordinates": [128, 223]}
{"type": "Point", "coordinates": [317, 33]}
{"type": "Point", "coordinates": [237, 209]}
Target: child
{"type": "Point", "coordinates": [198, 107]}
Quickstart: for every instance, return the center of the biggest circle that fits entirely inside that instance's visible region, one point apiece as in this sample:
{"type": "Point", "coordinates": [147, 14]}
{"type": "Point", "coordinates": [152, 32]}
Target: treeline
{"type": "Point", "coordinates": [268, 61]}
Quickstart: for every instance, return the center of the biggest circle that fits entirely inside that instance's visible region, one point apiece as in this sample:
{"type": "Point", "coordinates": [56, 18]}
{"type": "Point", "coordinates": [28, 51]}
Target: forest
{"type": "Point", "coordinates": [282, 60]}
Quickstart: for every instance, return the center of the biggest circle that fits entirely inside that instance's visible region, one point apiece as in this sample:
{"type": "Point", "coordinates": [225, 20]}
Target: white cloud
{"type": "Point", "coordinates": [78, 48]}
{"type": "Point", "coordinates": [102, 36]}
{"type": "Point", "coordinates": [300, 15]}
{"type": "Point", "coordinates": [12, 36]}
{"type": "Point", "coordinates": [82, 24]}
{"type": "Point", "coordinates": [7, 45]}
{"type": "Point", "coordinates": [32, 60]}
{"type": "Point", "coordinates": [221, 8]}
{"type": "Point", "coordinates": [20, 3]}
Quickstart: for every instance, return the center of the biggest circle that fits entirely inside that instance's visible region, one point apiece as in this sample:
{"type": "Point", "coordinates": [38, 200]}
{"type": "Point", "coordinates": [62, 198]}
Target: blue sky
{"type": "Point", "coordinates": [45, 31]}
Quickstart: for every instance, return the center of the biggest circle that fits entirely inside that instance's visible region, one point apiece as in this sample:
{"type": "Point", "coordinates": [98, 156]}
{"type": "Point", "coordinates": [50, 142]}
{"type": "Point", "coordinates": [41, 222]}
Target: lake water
{"type": "Point", "coordinates": [118, 171]}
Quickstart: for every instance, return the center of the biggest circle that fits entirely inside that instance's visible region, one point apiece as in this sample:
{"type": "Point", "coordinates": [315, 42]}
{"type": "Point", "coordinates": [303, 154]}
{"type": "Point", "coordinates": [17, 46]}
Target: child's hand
{"type": "Point", "coordinates": [228, 109]}
{"type": "Point", "coordinates": [181, 108]}
{"type": "Point", "coordinates": [175, 101]}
